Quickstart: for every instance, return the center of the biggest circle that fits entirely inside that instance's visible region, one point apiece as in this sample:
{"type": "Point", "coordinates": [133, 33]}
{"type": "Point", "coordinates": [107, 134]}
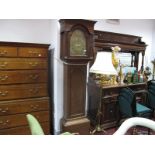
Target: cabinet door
{"type": "Point", "coordinates": [109, 110]}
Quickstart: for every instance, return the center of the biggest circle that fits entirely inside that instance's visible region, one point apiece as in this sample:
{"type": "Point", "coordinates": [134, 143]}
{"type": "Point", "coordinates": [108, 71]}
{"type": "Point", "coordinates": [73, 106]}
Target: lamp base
{"type": "Point", "coordinates": [98, 128]}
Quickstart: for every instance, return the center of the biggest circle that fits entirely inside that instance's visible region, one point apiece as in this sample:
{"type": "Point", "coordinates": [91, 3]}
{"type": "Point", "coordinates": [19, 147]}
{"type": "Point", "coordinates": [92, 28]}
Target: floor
{"type": "Point", "coordinates": [132, 131]}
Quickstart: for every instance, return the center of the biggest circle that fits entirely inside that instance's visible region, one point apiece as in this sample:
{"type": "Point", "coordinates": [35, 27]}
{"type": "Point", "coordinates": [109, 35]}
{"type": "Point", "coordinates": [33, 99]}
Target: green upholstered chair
{"type": "Point", "coordinates": [34, 125]}
{"type": "Point", "coordinates": [36, 128]}
{"type": "Point", "coordinates": [128, 107]}
{"type": "Point", "coordinates": [151, 94]}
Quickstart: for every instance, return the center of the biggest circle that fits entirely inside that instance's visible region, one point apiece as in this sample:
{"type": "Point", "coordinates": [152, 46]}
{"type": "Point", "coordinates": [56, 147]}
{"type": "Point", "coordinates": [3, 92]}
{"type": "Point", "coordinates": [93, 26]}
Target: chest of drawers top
{"type": "Point", "coordinates": [14, 49]}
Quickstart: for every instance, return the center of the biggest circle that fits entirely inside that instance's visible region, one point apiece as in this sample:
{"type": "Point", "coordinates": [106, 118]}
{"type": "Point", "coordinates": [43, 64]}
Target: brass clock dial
{"type": "Point", "coordinates": [78, 43]}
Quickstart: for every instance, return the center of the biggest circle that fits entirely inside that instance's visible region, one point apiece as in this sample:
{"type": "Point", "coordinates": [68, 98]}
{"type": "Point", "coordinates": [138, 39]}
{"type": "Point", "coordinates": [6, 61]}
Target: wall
{"type": "Point", "coordinates": [153, 42]}
{"type": "Point", "coordinates": [25, 30]}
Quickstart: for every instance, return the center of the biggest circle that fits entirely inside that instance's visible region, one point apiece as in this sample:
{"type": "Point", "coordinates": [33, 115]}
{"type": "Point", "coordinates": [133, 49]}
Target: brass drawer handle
{"type": "Point", "coordinates": [3, 77]}
{"type": "Point", "coordinates": [4, 110]}
{"type": "Point", "coordinates": [2, 53]}
{"type": "Point", "coordinates": [5, 93]}
{"type": "Point", "coordinates": [35, 106]}
{"type": "Point", "coordinates": [4, 122]}
{"type": "Point", "coordinates": [34, 91]}
{"type": "Point", "coordinates": [35, 52]}
{"type": "Point", "coordinates": [33, 64]}
{"type": "Point", "coordinates": [34, 77]}
{"type": "Point", "coordinates": [3, 64]}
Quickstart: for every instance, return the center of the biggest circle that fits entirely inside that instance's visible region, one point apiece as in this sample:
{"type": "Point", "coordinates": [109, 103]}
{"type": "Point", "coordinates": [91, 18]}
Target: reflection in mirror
{"type": "Point", "coordinates": [140, 61]}
{"type": "Point", "coordinates": [125, 59]}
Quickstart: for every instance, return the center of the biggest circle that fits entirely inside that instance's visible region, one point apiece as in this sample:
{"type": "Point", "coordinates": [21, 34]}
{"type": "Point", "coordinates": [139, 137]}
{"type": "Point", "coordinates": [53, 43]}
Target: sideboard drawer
{"type": "Point", "coordinates": [6, 51]}
{"type": "Point", "coordinates": [32, 52]}
{"type": "Point", "coordinates": [20, 119]}
{"type": "Point", "coordinates": [18, 63]}
{"type": "Point", "coordinates": [8, 92]}
{"type": "Point", "coordinates": [110, 92]}
{"type": "Point", "coordinates": [23, 106]}
{"type": "Point", "coordinates": [23, 76]}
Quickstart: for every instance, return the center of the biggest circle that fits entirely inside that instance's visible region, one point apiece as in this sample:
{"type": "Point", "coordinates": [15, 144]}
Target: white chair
{"type": "Point", "coordinates": [134, 121]}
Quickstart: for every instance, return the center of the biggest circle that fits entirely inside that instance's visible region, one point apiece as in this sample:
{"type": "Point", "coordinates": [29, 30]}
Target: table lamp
{"type": "Point", "coordinates": [102, 66]}
{"type": "Point", "coordinates": [104, 69]}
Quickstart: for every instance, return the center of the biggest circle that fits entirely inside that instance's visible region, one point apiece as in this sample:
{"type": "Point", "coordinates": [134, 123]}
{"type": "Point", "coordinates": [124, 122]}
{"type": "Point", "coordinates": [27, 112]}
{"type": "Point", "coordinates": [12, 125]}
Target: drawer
{"type": "Point", "coordinates": [6, 51]}
{"type": "Point", "coordinates": [20, 119]}
{"type": "Point", "coordinates": [32, 52]}
{"type": "Point", "coordinates": [24, 130]}
{"type": "Point", "coordinates": [138, 87]}
{"type": "Point", "coordinates": [110, 92]}
{"type": "Point", "coordinates": [8, 92]}
{"type": "Point", "coordinates": [23, 76]}
{"type": "Point", "coordinates": [23, 63]}
{"type": "Point", "coordinates": [23, 106]}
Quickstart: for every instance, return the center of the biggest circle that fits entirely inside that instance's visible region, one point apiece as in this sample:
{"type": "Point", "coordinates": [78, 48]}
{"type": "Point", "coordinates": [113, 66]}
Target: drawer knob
{"type": "Point", "coordinates": [34, 91]}
{"type": "Point", "coordinates": [34, 76]}
{"type": "Point", "coordinates": [3, 64]}
{"type": "Point", "coordinates": [33, 64]}
{"type": "Point", "coordinates": [3, 77]}
{"type": "Point", "coordinates": [35, 106]}
{"type": "Point", "coordinates": [4, 110]}
{"type": "Point", "coordinates": [5, 93]}
{"type": "Point", "coordinates": [4, 122]}
{"type": "Point", "coordinates": [35, 52]}
{"type": "Point", "coordinates": [2, 53]}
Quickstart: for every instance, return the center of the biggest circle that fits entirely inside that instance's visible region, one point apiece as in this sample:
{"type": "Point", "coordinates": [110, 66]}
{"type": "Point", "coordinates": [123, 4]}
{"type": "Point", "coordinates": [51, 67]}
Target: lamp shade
{"type": "Point", "coordinates": [103, 64]}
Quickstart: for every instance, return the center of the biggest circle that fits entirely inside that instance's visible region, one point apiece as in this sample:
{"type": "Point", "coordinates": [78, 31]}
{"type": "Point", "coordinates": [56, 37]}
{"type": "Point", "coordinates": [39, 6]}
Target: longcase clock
{"type": "Point", "coordinates": [77, 43]}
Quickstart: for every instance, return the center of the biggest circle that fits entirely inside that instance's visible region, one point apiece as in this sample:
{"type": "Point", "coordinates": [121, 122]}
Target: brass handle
{"type": "Point", "coordinates": [5, 93]}
{"type": "Point", "coordinates": [4, 122]}
{"type": "Point", "coordinates": [33, 64]}
{"type": "Point", "coordinates": [35, 52]}
{"type": "Point", "coordinates": [33, 77]}
{"type": "Point", "coordinates": [3, 64]}
{"type": "Point", "coordinates": [3, 77]}
{"type": "Point", "coordinates": [34, 90]}
{"type": "Point", "coordinates": [4, 110]}
{"type": "Point", "coordinates": [2, 53]}
{"type": "Point", "coordinates": [35, 106]}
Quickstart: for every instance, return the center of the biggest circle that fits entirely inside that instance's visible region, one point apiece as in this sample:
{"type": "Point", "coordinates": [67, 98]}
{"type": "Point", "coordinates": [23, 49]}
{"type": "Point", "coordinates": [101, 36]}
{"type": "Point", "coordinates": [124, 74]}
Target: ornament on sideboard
{"type": "Point", "coordinates": [115, 59]}
{"type": "Point", "coordinates": [153, 73]}
{"type": "Point", "coordinates": [147, 72]}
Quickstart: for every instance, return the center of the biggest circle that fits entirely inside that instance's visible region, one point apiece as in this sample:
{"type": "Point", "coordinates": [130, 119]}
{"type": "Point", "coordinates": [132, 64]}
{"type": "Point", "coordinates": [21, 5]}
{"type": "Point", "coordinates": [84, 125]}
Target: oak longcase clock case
{"type": "Point", "coordinates": [77, 43]}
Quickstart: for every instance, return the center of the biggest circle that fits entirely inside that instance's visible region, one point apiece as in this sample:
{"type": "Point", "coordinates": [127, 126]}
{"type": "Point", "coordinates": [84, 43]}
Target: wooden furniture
{"type": "Point", "coordinates": [77, 45]}
{"type": "Point", "coordinates": [108, 94]}
{"type": "Point", "coordinates": [23, 86]}
{"type": "Point", "coordinates": [108, 101]}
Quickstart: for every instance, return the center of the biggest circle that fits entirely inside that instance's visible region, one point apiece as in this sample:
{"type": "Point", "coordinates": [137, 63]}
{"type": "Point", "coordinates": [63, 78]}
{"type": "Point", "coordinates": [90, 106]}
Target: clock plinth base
{"type": "Point", "coordinates": [79, 125]}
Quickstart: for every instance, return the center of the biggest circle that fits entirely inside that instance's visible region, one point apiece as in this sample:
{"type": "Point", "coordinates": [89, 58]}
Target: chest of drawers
{"type": "Point", "coordinates": [23, 86]}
